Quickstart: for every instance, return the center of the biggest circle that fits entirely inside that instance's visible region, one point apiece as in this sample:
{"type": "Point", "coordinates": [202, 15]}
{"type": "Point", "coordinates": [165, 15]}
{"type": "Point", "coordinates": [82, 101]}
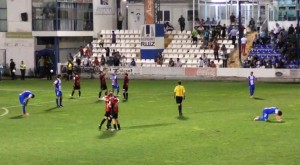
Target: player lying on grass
{"type": "Point", "coordinates": [24, 97]}
{"type": "Point", "coordinates": [268, 111]}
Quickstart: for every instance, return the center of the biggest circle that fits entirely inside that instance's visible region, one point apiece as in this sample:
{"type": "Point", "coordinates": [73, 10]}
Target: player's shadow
{"type": "Point", "coordinates": [17, 117]}
{"type": "Point", "coordinates": [275, 122]}
{"type": "Point", "coordinates": [257, 98]}
{"type": "Point", "coordinates": [182, 118]}
{"type": "Point", "coordinates": [148, 126]}
{"type": "Point", "coordinates": [50, 109]}
{"type": "Point", "coordinates": [107, 134]}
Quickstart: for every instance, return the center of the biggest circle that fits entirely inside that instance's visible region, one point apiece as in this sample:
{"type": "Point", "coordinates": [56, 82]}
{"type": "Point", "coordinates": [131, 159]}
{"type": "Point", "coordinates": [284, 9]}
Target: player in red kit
{"type": "Point", "coordinates": [125, 87]}
{"type": "Point", "coordinates": [103, 86]}
{"type": "Point", "coordinates": [76, 85]}
{"type": "Point", "coordinates": [115, 111]}
{"type": "Point", "coordinates": [108, 111]}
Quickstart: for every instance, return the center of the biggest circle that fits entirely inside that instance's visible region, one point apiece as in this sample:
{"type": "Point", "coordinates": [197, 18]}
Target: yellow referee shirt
{"type": "Point", "coordinates": [179, 90]}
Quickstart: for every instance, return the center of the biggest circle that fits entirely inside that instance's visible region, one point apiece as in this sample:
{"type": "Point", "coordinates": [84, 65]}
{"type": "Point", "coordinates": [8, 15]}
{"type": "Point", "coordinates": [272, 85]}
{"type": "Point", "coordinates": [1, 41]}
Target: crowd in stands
{"type": "Point", "coordinates": [278, 41]}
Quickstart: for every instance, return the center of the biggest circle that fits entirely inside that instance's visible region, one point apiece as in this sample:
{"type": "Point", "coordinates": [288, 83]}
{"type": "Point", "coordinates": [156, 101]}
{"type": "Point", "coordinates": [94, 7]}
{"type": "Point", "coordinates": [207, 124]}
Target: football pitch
{"type": "Point", "coordinates": [217, 127]}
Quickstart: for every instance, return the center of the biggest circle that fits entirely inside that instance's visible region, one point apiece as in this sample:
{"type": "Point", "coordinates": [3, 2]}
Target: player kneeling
{"type": "Point", "coordinates": [268, 111]}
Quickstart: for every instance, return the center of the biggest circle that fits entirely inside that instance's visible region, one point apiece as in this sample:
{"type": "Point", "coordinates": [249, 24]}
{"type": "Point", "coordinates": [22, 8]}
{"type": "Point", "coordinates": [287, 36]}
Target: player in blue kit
{"type": "Point", "coordinates": [114, 83]}
{"type": "Point", "coordinates": [24, 98]}
{"type": "Point", "coordinates": [58, 92]}
{"type": "Point", "coordinates": [269, 111]}
{"type": "Point", "coordinates": [251, 83]}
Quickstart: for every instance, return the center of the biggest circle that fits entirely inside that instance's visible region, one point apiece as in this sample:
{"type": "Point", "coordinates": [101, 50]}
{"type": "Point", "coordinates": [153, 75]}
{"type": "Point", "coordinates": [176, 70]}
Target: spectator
{"type": "Point", "coordinates": [86, 62]}
{"type": "Point", "coordinates": [244, 43]}
{"type": "Point", "coordinates": [223, 31]}
{"type": "Point", "coordinates": [1, 71]}
{"type": "Point", "coordinates": [120, 21]}
{"type": "Point", "coordinates": [194, 36]}
{"type": "Point", "coordinates": [123, 61]}
{"type": "Point", "coordinates": [171, 62]}
{"type": "Point", "coordinates": [178, 63]}
{"type": "Point", "coordinates": [113, 38]}
{"type": "Point", "coordinates": [96, 62]}
{"type": "Point", "coordinates": [23, 70]}
{"type": "Point", "coordinates": [41, 66]}
{"type": "Point", "coordinates": [291, 29]}
{"type": "Point", "coordinates": [12, 67]}
{"type": "Point", "coordinates": [101, 41]}
{"type": "Point", "coordinates": [88, 52]}
{"type": "Point", "coordinates": [102, 60]}
{"type": "Point", "coordinates": [218, 30]}
{"type": "Point", "coordinates": [132, 63]}
{"type": "Point", "coordinates": [232, 19]}
{"type": "Point", "coordinates": [201, 63]}
{"type": "Point", "coordinates": [233, 34]}
{"type": "Point", "coordinates": [107, 54]}
{"type": "Point", "coordinates": [259, 23]}
{"type": "Point", "coordinates": [216, 50]}
{"type": "Point", "coordinates": [81, 51]}
{"type": "Point", "coordinates": [168, 27]}
{"type": "Point", "coordinates": [181, 22]}
{"type": "Point", "coordinates": [252, 24]}
{"type": "Point", "coordinates": [78, 61]}
{"type": "Point", "coordinates": [212, 64]}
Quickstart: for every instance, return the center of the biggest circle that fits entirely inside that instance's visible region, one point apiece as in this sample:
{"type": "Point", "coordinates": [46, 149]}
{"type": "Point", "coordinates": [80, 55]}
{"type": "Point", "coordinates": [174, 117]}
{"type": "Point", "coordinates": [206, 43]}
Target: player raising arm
{"type": "Point", "coordinates": [24, 97]}
{"type": "Point", "coordinates": [268, 111]}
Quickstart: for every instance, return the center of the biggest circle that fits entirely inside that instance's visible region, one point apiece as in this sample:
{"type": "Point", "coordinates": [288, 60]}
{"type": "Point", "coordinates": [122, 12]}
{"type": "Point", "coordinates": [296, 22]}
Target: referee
{"type": "Point", "coordinates": [179, 95]}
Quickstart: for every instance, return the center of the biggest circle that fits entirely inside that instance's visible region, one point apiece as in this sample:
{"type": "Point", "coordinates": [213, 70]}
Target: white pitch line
{"type": "Point", "coordinates": [6, 111]}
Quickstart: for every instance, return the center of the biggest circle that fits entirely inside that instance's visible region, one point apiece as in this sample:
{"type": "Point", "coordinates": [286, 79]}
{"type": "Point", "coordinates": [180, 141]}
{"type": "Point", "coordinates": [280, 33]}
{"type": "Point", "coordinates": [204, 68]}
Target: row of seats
{"type": "Point", "coordinates": [104, 32]}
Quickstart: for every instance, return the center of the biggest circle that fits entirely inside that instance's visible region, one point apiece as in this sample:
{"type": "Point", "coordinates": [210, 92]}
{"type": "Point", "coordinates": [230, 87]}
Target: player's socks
{"type": "Point", "coordinates": [119, 127]}
{"type": "Point", "coordinates": [57, 102]}
{"type": "Point", "coordinates": [105, 93]}
{"type": "Point", "coordinates": [72, 93]}
{"type": "Point", "coordinates": [79, 93]}
{"type": "Point", "coordinates": [102, 122]}
{"type": "Point", "coordinates": [108, 126]}
{"type": "Point", "coordinates": [24, 110]}
{"type": "Point", "coordinates": [100, 95]}
{"type": "Point", "coordinates": [180, 109]}
{"type": "Point", "coordinates": [126, 96]}
{"type": "Point", "coordinates": [115, 126]}
{"type": "Point", "coordinates": [60, 102]}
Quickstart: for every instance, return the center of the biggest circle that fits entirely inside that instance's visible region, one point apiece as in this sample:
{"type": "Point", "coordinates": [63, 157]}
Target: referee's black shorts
{"type": "Point", "coordinates": [179, 99]}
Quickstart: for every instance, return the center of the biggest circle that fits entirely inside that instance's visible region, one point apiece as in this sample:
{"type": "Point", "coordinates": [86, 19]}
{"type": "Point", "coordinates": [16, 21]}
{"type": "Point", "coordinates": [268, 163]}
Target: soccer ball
{"type": "Point", "coordinates": [14, 70]}
{"type": "Point", "coordinates": [51, 71]}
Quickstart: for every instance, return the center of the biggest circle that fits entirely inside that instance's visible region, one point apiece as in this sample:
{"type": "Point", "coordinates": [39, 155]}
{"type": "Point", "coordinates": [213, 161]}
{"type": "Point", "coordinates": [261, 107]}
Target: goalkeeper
{"type": "Point", "coordinates": [24, 98]}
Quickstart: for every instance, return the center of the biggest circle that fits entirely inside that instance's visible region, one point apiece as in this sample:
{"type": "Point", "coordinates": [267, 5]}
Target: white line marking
{"type": "Point", "coordinates": [6, 111]}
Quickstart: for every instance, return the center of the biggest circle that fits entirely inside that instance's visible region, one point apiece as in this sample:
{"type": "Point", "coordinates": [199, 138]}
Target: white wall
{"type": "Point", "coordinates": [14, 21]}
{"type": "Point", "coordinates": [107, 21]}
{"type": "Point", "coordinates": [135, 16]}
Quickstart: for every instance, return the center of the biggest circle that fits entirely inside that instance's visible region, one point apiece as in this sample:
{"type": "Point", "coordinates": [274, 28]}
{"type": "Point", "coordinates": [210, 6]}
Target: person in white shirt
{"type": "Point", "coordinates": [233, 33]}
{"type": "Point", "coordinates": [201, 63]}
{"type": "Point", "coordinates": [178, 63]}
{"type": "Point", "coordinates": [244, 42]}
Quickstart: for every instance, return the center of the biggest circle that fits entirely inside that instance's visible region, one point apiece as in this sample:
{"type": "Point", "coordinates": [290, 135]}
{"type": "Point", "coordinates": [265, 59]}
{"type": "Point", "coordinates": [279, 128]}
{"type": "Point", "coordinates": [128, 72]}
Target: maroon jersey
{"type": "Point", "coordinates": [115, 103]}
{"type": "Point", "coordinates": [77, 80]}
{"type": "Point", "coordinates": [126, 80]}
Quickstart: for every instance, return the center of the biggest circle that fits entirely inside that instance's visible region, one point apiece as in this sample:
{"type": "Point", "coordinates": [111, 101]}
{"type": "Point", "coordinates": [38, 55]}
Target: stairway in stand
{"type": "Point", "coordinates": [234, 59]}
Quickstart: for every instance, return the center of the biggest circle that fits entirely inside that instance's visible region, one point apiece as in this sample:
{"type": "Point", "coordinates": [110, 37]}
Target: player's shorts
{"type": "Point", "coordinates": [69, 72]}
{"type": "Point", "coordinates": [58, 93]}
{"type": "Point", "coordinates": [125, 88]}
{"type": "Point", "coordinates": [107, 114]}
{"type": "Point", "coordinates": [22, 100]}
{"type": "Point", "coordinates": [179, 99]}
{"type": "Point", "coordinates": [115, 86]}
{"type": "Point", "coordinates": [115, 115]}
{"type": "Point", "coordinates": [103, 87]}
{"type": "Point", "coordinates": [76, 87]}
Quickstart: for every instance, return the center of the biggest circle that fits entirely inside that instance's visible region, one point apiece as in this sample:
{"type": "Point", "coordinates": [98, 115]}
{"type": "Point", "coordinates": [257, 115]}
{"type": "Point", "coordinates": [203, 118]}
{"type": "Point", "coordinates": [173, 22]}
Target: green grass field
{"type": "Point", "coordinates": [217, 127]}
